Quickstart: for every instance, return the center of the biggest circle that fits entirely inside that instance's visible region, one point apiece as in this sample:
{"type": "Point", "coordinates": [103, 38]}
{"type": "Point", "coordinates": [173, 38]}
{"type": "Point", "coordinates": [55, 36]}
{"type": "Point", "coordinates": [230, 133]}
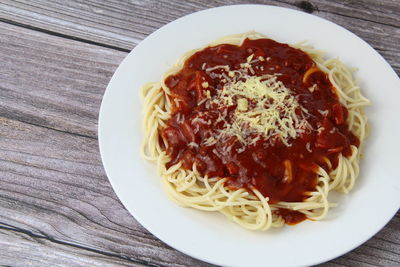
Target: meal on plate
{"type": "Point", "coordinates": [258, 130]}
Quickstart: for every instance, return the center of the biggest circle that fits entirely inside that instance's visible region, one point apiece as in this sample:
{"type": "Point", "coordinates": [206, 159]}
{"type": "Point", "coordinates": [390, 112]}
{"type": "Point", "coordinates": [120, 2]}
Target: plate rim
{"type": "Point", "coordinates": [107, 92]}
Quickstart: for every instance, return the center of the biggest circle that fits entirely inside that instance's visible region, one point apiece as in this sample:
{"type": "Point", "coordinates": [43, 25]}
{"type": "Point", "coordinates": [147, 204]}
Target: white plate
{"type": "Point", "coordinates": [210, 236]}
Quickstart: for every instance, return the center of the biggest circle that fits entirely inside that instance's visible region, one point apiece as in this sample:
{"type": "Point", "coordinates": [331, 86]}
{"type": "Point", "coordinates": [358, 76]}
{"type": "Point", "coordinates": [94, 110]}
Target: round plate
{"type": "Point", "coordinates": [210, 236]}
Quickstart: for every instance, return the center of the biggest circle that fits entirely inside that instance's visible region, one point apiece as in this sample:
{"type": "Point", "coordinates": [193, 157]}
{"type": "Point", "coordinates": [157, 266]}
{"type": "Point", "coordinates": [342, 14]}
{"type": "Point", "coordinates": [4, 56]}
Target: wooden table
{"type": "Point", "coordinates": [57, 207]}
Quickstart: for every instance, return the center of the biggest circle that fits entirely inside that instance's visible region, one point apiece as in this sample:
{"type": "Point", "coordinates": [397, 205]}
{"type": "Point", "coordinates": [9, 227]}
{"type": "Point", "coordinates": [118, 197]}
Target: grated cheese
{"type": "Point", "coordinates": [265, 108]}
{"type": "Point", "coordinates": [204, 84]}
{"type": "Point", "coordinates": [308, 147]}
{"type": "Point", "coordinates": [249, 58]}
{"type": "Point", "coordinates": [312, 88]}
{"type": "Point", "coordinates": [202, 101]}
{"type": "Point", "coordinates": [242, 104]}
{"type": "Point", "coordinates": [323, 112]}
{"type": "Point", "coordinates": [273, 112]}
{"type": "Point", "coordinates": [225, 67]}
{"type": "Point", "coordinates": [193, 144]}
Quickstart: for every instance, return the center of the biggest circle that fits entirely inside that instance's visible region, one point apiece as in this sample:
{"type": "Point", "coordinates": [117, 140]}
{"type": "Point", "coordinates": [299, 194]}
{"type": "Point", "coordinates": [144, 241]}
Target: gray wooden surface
{"type": "Point", "coordinates": [57, 207]}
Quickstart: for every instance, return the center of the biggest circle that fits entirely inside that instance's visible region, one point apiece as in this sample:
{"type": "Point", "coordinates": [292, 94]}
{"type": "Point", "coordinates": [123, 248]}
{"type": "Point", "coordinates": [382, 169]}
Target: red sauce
{"type": "Point", "coordinates": [291, 217]}
{"type": "Point", "coordinates": [261, 166]}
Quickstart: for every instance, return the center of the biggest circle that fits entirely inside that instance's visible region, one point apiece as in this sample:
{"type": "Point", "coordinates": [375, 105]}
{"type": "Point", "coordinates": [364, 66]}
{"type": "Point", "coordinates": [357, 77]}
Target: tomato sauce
{"type": "Point", "coordinates": [263, 165]}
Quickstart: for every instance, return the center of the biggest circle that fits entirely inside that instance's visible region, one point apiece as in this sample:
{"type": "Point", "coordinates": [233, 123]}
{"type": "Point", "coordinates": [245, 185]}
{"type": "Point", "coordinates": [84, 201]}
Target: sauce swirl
{"type": "Point", "coordinates": [281, 172]}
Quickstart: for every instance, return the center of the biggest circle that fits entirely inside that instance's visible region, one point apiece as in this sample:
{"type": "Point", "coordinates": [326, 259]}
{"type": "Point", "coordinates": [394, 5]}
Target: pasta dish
{"type": "Point", "coordinates": [258, 130]}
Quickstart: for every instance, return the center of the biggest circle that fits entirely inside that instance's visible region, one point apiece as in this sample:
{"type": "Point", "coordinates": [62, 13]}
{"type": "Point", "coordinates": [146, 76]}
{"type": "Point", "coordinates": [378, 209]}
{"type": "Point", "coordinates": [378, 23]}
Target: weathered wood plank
{"type": "Point", "coordinates": [124, 23]}
{"type": "Point", "coordinates": [35, 251]}
{"type": "Point", "coordinates": [53, 186]}
{"type": "Point", "coordinates": [52, 183]}
{"type": "Point", "coordinates": [52, 81]}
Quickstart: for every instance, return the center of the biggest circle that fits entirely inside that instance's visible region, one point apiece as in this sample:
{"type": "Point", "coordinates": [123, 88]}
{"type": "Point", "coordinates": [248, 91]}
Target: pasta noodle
{"type": "Point", "coordinates": [247, 206]}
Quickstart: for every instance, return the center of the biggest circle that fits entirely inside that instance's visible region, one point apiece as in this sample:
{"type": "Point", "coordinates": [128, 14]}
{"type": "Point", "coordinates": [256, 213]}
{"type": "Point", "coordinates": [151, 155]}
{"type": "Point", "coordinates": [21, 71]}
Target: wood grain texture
{"type": "Point", "coordinates": [56, 204]}
{"type": "Point", "coordinates": [52, 181]}
{"type": "Point", "coordinates": [124, 23]}
{"type": "Point", "coordinates": [36, 251]}
{"type": "Point", "coordinates": [53, 82]}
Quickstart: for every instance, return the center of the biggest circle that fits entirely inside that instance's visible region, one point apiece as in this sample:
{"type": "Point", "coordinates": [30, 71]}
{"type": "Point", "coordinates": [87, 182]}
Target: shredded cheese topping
{"type": "Point", "coordinates": [264, 107]}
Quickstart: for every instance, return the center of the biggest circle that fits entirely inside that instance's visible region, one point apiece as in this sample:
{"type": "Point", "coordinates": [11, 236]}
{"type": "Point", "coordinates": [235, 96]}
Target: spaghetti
{"type": "Point", "coordinates": [255, 129]}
